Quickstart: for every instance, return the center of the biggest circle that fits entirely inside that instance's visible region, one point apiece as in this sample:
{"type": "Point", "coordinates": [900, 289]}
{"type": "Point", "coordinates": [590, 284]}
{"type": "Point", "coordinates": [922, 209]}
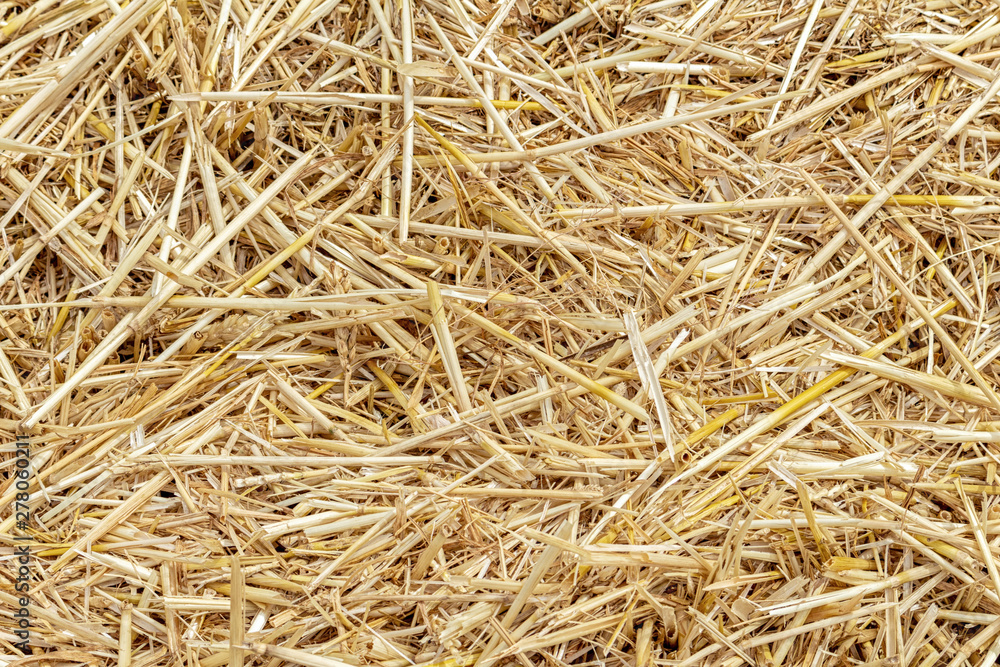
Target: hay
{"type": "Point", "coordinates": [443, 333]}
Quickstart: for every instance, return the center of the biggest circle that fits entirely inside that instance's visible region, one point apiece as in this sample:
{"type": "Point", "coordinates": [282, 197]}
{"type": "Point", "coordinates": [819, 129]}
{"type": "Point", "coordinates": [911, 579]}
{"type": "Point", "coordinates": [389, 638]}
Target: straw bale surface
{"type": "Point", "coordinates": [443, 333]}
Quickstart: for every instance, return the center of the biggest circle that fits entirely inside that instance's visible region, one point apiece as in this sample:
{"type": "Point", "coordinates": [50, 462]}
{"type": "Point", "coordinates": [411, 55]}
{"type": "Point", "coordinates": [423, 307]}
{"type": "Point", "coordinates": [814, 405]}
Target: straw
{"type": "Point", "coordinates": [441, 333]}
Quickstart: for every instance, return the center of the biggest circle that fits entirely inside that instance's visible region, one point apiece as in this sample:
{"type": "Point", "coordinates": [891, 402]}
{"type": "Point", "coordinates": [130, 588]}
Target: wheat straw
{"type": "Point", "coordinates": [440, 333]}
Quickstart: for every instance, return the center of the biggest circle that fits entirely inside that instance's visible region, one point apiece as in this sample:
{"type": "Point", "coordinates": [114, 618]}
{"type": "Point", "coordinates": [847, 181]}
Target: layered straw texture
{"type": "Point", "coordinates": [452, 333]}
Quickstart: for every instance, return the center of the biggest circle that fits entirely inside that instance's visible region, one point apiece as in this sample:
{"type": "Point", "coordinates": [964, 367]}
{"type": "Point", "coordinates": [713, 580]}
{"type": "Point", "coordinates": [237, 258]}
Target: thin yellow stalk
{"type": "Point", "coordinates": [686, 209]}
{"type": "Point", "coordinates": [406, 84]}
{"type": "Point", "coordinates": [237, 602]}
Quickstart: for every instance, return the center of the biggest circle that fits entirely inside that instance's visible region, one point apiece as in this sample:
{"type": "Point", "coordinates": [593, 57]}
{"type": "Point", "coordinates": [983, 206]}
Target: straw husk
{"type": "Point", "coordinates": [443, 333]}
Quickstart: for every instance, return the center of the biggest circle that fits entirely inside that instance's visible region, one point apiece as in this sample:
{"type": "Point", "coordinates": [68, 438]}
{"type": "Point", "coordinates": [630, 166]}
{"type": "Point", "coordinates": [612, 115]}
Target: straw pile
{"type": "Point", "coordinates": [448, 333]}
